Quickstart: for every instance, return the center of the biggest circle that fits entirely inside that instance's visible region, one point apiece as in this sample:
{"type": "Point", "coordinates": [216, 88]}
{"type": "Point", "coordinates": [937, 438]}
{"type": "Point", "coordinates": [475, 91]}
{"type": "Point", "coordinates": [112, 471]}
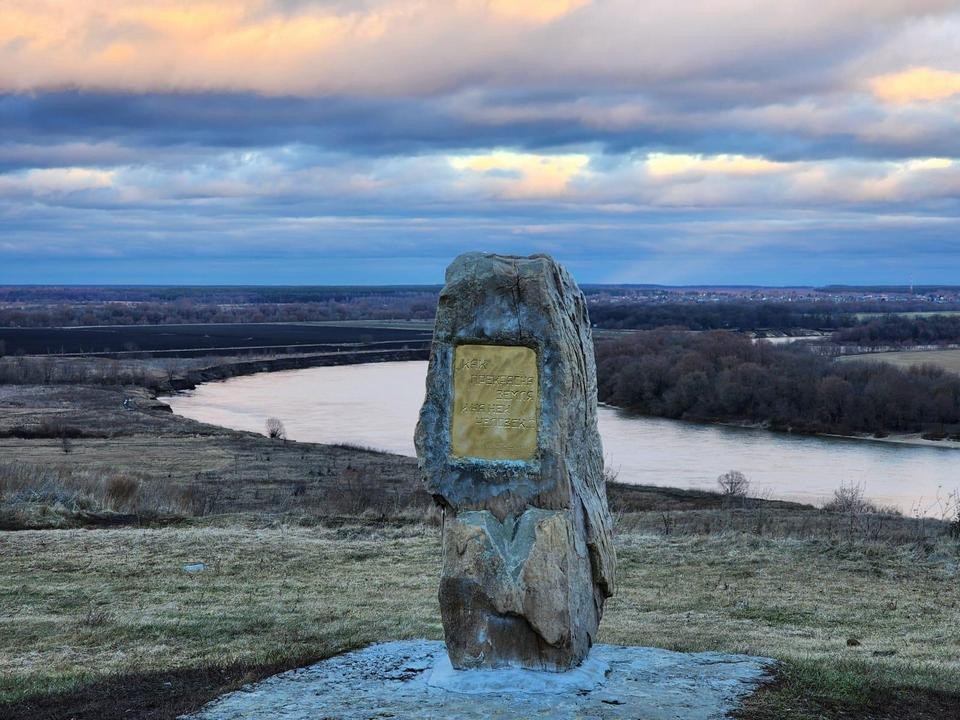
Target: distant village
{"type": "Point", "coordinates": [905, 295]}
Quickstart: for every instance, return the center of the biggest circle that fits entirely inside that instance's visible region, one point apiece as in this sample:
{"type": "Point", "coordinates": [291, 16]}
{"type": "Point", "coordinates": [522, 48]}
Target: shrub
{"type": "Point", "coordinates": [37, 496]}
{"type": "Point", "coordinates": [275, 429]}
{"type": "Point", "coordinates": [733, 484]}
{"type": "Point", "coordinates": [850, 499]}
{"type": "Point", "coordinates": [121, 492]}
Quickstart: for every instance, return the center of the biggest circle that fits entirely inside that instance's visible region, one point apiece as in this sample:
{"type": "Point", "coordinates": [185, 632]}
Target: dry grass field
{"type": "Point", "coordinates": [84, 614]}
{"type": "Point", "coordinates": [949, 360]}
{"type": "Point", "coordinates": [120, 437]}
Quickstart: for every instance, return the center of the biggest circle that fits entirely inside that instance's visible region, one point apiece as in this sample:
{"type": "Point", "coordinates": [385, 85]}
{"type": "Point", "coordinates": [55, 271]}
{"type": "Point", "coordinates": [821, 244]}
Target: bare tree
{"type": "Point", "coordinates": [275, 429]}
{"type": "Point", "coordinates": [954, 505]}
{"type": "Point", "coordinates": [610, 474]}
{"type": "Point", "coordinates": [734, 485]}
{"type": "Point", "coordinates": [850, 499]}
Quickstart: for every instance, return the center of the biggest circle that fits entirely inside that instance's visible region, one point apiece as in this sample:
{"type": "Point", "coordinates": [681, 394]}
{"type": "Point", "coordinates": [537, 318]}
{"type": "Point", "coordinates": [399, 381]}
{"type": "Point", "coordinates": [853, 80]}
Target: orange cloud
{"type": "Point", "coordinates": [535, 11]}
{"type": "Point", "coordinates": [416, 48]}
{"type": "Point", "coordinates": [665, 164]}
{"type": "Point", "coordinates": [197, 19]}
{"type": "Point", "coordinates": [527, 175]}
{"type": "Point", "coordinates": [170, 44]}
{"type": "Point", "coordinates": [46, 181]}
{"type": "Point", "coordinates": [916, 84]}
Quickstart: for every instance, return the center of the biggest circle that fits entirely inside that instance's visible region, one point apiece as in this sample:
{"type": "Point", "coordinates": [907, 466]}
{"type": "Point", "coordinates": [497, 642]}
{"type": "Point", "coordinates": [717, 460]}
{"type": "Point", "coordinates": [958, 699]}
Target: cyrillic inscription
{"type": "Point", "coordinates": [496, 400]}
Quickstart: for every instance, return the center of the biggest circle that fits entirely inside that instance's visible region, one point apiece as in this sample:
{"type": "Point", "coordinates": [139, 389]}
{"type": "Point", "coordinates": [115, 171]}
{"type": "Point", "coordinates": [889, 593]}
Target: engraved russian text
{"type": "Point", "coordinates": [495, 402]}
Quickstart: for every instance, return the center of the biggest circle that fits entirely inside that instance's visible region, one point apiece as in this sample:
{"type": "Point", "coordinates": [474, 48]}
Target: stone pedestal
{"type": "Point", "coordinates": [508, 446]}
{"type": "Point", "coordinates": [413, 679]}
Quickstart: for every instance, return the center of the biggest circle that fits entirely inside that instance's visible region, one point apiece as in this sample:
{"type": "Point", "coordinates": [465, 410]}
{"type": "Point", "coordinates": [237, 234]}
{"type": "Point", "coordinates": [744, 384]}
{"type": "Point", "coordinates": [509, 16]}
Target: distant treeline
{"type": "Point", "coordinates": [740, 315]}
{"type": "Point", "coordinates": [417, 305]}
{"type": "Point", "coordinates": [412, 305]}
{"type": "Point", "coordinates": [890, 289]}
{"type": "Point", "coordinates": [723, 376]}
{"type": "Point", "coordinates": [610, 307]}
{"type": "Point", "coordinates": [902, 331]}
{"type": "Point", "coordinates": [721, 316]}
{"type": "Point", "coordinates": [204, 294]}
{"type": "Point", "coordinates": [633, 315]}
{"type": "Point", "coordinates": [87, 371]}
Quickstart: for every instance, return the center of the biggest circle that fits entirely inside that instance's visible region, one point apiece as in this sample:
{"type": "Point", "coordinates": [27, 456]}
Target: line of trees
{"type": "Point", "coordinates": [414, 306]}
{"type": "Point", "coordinates": [901, 331]}
{"type": "Point", "coordinates": [202, 294]}
{"type": "Point", "coordinates": [52, 370]}
{"type": "Point", "coordinates": [73, 306]}
{"type": "Point", "coordinates": [611, 307]}
{"type": "Point", "coordinates": [723, 376]}
{"type": "Point", "coordinates": [419, 305]}
{"type": "Point", "coordinates": [729, 315]}
{"type": "Point", "coordinates": [760, 315]}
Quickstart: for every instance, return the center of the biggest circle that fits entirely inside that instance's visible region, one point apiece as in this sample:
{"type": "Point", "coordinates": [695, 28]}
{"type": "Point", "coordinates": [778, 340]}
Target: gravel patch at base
{"type": "Point", "coordinates": [413, 679]}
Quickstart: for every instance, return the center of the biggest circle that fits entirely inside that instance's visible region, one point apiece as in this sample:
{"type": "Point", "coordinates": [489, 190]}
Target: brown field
{"type": "Point", "coordinates": [949, 360]}
{"type": "Point", "coordinates": [121, 435]}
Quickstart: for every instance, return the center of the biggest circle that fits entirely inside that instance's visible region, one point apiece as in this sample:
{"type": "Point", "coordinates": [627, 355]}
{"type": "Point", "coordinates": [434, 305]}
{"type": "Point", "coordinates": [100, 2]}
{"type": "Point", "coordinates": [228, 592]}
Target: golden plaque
{"type": "Point", "coordinates": [496, 402]}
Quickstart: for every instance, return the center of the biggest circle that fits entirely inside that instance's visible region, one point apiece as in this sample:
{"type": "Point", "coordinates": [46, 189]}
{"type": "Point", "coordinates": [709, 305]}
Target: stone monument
{"type": "Point", "coordinates": [508, 447]}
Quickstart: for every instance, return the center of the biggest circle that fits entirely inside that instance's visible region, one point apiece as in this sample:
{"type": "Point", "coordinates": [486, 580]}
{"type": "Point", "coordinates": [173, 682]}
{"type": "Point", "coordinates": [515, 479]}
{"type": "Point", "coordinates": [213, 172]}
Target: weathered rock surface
{"type": "Point", "coordinates": [414, 679]}
{"type": "Point", "coordinates": [528, 556]}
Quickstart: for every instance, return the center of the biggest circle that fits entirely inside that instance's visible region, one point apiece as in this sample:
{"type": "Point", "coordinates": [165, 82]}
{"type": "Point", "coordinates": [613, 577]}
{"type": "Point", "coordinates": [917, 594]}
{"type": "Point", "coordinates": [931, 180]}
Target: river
{"type": "Point", "coordinates": [376, 405]}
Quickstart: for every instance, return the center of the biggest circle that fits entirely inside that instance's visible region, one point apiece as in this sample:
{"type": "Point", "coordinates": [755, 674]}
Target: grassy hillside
{"type": "Point", "coordinates": [84, 614]}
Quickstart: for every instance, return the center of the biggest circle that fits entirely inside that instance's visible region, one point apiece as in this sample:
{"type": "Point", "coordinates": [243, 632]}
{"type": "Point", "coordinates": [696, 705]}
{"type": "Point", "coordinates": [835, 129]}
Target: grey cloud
{"type": "Point", "coordinates": [806, 128]}
{"type": "Point", "coordinates": [356, 168]}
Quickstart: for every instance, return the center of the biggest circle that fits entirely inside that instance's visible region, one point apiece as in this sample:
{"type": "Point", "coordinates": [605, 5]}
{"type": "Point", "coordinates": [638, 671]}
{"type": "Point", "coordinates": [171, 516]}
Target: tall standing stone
{"type": "Point", "coordinates": [509, 448]}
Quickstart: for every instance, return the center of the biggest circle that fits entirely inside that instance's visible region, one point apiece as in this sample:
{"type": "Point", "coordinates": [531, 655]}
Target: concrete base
{"type": "Point", "coordinates": [589, 675]}
{"type": "Point", "coordinates": [414, 679]}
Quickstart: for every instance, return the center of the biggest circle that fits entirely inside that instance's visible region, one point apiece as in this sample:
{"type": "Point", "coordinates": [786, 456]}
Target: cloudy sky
{"type": "Point", "coordinates": [370, 141]}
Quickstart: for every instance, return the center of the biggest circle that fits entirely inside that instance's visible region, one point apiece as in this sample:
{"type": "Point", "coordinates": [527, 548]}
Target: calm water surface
{"type": "Point", "coordinates": [377, 404]}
